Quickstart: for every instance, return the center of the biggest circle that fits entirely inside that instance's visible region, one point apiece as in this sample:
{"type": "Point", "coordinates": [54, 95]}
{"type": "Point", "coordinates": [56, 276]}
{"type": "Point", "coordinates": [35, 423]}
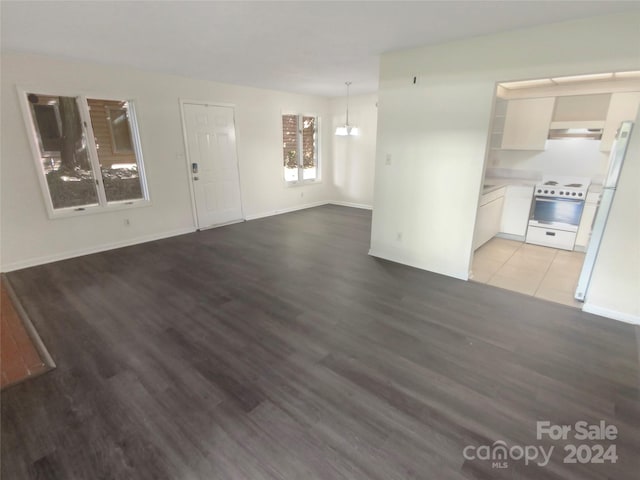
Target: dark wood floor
{"type": "Point", "coordinates": [278, 349]}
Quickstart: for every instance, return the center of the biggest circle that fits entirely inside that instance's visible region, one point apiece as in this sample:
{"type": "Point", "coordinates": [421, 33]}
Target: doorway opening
{"type": "Point", "coordinates": [554, 153]}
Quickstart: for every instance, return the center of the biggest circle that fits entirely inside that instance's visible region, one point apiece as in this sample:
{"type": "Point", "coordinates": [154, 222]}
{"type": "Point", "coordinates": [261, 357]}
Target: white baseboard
{"type": "Point", "coordinates": [255, 216]}
{"type": "Point", "coordinates": [364, 206]}
{"type": "Point", "coordinates": [307, 205]}
{"type": "Point", "coordinates": [511, 236]}
{"type": "Point", "coordinates": [411, 263]}
{"type": "Point", "coordinates": [32, 262]}
{"type": "Point", "coordinates": [613, 314]}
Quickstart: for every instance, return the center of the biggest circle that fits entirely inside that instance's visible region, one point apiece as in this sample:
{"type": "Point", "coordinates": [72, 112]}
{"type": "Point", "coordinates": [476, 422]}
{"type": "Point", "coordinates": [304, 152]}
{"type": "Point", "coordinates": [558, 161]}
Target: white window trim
{"type": "Point", "coordinates": [309, 181]}
{"type": "Point", "coordinates": [83, 107]}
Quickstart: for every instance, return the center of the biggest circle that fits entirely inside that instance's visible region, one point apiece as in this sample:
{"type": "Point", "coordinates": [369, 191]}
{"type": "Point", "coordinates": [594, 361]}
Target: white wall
{"type": "Point", "coordinates": [29, 237]}
{"type": "Point", "coordinates": [436, 131]}
{"type": "Point", "coordinates": [354, 156]}
{"type": "Point", "coordinates": [571, 157]}
{"type": "Point", "coordinates": [614, 290]}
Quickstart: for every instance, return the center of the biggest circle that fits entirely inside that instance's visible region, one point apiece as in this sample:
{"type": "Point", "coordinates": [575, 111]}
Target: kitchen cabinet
{"type": "Point", "coordinates": [516, 209]}
{"type": "Point", "coordinates": [572, 110]}
{"type": "Point", "coordinates": [586, 221]}
{"type": "Point", "coordinates": [623, 106]}
{"type": "Point", "coordinates": [526, 125]}
{"type": "Point", "coordinates": [488, 217]}
{"type": "Point", "coordinates": [497, 126]}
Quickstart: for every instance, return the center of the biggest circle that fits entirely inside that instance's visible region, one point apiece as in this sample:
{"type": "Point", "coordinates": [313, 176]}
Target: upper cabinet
{"type": "Point", "coordinates": [529, 112]}
{"type": "Point", "coordinates": [623, 106]}
{"type": "Point", "coordinates": [580, 111]}
{"type": "Point", "coordinates": [526, 123]}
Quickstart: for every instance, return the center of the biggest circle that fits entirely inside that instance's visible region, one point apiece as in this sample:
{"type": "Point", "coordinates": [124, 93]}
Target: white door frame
{"type": "Point", "coordinates": [185, 139]}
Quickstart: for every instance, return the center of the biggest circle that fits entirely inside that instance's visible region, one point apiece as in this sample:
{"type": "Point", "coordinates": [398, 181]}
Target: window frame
{"type": "Point", "coordinates": [56, 112]}
{"type": "Point", "coordinates": [300, 160]}
{"type": "Point", "coordinates": [114, 143]}
{"type": "Point", "coordinates": [81, 97]}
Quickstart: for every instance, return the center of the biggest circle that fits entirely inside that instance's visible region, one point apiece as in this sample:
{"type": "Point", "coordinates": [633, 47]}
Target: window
{"type": "Point", "coordinates": [119, 128]}
{"type": "Point", "coordinates": [87, 151]}
{"type": "Point", "coordinates": [300, 148]}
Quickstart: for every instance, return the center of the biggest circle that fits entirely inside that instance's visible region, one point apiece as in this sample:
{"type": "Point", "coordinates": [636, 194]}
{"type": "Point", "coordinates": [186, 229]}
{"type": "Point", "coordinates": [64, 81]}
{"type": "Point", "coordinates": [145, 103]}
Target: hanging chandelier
{"type": "Point", "coordinates": [347, 129]}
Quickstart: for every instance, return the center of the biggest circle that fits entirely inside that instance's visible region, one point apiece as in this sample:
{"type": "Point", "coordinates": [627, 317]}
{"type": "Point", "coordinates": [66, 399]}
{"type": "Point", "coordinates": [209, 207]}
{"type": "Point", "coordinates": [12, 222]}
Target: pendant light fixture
{"type": "Point", "coordinates": [347, 129]}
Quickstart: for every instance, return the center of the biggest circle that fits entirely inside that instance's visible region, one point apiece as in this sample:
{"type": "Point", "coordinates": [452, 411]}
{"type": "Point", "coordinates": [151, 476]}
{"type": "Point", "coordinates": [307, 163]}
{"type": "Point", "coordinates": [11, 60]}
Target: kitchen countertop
{"type": "Point", "coordinates": [494, 183]}
{"type": "Point", "coordinates": [595, 188]}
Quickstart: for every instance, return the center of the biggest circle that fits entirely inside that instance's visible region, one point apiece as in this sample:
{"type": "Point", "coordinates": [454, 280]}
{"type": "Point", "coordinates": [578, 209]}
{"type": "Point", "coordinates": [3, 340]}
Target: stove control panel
{"type": "Point", "coordinates": [542, 191]}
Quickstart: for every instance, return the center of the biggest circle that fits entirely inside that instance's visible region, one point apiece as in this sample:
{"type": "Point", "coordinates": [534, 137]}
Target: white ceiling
{"type": "Point", "coordinates": [305, 46]}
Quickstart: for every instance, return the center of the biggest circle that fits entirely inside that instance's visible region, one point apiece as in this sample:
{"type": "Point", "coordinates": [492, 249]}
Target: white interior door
{"type": "Point", "coordinates": [211, 144]}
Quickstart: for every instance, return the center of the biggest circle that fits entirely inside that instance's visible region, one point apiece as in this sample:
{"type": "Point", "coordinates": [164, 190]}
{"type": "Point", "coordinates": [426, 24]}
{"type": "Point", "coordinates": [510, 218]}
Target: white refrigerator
{"type": "Point", "coordinates": [618, 152]}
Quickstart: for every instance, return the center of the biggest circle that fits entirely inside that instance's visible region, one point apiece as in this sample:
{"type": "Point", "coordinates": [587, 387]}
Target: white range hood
{"type": "Point", "coordinates": [570, 113]}
{"type": "Point", "coordinates": [584, 129]}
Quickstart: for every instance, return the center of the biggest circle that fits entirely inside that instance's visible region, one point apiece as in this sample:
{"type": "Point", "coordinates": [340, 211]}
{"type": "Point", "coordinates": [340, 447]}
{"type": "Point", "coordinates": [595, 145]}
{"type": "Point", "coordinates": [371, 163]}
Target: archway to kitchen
{"type": "Point", "coordinates": [550, 175]}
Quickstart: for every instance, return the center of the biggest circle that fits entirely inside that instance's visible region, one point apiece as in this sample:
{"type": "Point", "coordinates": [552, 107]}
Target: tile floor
{"type": "Point", "coordinates": [530, 269]}
{"type": "Point", "coordinates": [19, 359]}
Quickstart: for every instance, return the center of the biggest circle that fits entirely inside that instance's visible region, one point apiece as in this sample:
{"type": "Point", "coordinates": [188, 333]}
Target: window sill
{"type": "Point", "coordinates": [96, 209]}
{"type": "Point", "coordinates": [302, 183]}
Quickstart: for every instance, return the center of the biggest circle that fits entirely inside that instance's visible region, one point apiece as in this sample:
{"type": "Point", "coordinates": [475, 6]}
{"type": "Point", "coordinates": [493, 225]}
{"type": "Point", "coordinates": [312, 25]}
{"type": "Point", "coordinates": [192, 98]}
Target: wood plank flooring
{"type": "Point", "coordinates": [278, 349]}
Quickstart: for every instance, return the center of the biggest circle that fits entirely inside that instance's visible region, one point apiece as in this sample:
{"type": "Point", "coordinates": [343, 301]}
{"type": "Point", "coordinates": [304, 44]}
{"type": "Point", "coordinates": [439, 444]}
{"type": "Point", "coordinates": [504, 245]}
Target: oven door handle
{"type": "Point", "coordinates": [558, 199]}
